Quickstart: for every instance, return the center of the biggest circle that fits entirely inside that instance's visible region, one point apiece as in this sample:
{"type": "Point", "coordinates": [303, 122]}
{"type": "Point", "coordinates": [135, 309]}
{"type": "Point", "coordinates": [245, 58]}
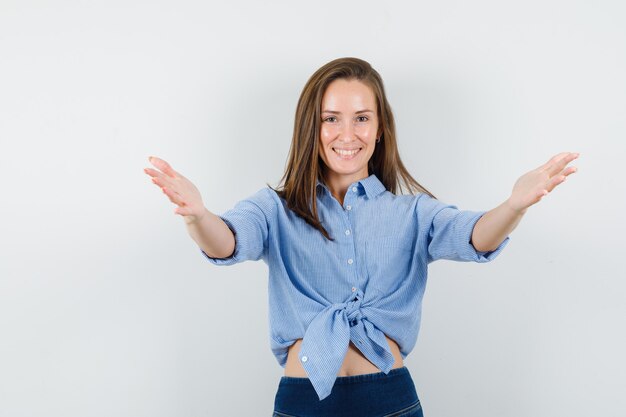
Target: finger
{"type": "Point", "coordinates": [556, 166]}
{"type": "Point", "coordinates": [173, 196]}
{"type": "Point", "coordinates": [163, 181]}
{"type": "Point", "coordinates": [552, 160]}
{"type": "Point", "coordinates": [554, 181]}
{"type": "Point", "coordinates": [163, 166]}
{"type": "Point", "coordinates": [155, 174]}
{"type": "Point", "coordinates": [561, 177]}
{"type": "Point", "coordinates": [568, 171]}
{"type": "Point", "coordinates": [183, 211]}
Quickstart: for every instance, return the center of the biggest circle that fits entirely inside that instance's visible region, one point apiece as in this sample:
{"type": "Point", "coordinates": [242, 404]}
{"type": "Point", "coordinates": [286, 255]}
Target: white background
{"type": "Point", "coordinates": [107, 306]}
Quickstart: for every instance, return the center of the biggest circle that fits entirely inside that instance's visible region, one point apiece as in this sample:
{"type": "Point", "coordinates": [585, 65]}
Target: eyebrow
{"type": "Point", "coordinates": [338, 112]}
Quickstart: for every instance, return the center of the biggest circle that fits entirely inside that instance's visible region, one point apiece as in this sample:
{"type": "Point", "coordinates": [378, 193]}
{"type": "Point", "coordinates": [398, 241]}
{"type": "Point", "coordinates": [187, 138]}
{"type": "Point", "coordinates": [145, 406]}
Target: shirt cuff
{"type": "Point", "coordinates": [469, 252]}
{"type": "Point", "coordinates": [232, 259]}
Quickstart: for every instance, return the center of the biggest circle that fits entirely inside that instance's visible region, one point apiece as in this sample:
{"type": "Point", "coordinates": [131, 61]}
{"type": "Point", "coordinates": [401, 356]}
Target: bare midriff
{"type": "Point", "coordinates": [355, 363]}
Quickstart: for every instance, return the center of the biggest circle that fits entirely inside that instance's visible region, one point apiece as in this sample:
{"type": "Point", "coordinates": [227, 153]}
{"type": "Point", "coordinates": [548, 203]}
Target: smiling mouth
{"type": "Point", "coordinates": [347, 154]}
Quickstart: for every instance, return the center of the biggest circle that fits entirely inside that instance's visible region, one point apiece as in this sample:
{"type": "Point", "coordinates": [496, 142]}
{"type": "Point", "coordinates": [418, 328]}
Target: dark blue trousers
{"type": "Point", "coordinates": [366, 395]}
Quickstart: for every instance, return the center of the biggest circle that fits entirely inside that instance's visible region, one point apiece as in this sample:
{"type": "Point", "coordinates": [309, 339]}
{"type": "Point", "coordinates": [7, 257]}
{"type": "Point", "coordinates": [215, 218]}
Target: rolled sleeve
{"type": "Point", "coordinates": [468, 220]}
{"type": "Point", "coordinates": [450, 232]}
{"type": "Point", "coordinates": [250, 224]}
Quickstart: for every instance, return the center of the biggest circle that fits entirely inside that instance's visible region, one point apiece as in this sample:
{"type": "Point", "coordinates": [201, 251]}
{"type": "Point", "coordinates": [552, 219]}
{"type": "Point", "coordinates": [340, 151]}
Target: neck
{"type": "Point", "coordinates": [338, 184]}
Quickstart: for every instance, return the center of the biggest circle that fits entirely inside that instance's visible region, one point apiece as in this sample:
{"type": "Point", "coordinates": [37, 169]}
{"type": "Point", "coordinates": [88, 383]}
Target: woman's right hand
{"type": "Point", "coordinates": [178, 189]}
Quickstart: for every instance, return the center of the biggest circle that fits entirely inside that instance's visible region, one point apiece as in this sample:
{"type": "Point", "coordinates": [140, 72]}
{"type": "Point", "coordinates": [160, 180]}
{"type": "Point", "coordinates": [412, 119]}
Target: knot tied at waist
{"type": "Point", "coordinates": [325, 342]}
{"type": "Point", "coordinates": [352, 308]}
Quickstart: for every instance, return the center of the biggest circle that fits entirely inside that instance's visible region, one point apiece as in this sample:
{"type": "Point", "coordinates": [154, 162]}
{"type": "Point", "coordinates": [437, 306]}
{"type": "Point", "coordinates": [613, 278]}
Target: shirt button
{"type": "Point", "coordinates": [350, 261]}
{"type": "Point", "coordinates": [348, 207]}
{"type": "Point", "coordinates": [353, 289]}
{"type": "Point", "coordinates": [354, 189]}
{"type": "Point", "coordinates": [304, 359]}
{"type": "Point", "coordinates": [348, 231]}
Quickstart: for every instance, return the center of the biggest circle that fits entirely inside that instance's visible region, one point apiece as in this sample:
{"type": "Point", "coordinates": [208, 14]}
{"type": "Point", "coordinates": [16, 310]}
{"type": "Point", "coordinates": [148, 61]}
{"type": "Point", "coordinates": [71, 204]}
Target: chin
{"type": "Point", "coordinates": [347, 170]}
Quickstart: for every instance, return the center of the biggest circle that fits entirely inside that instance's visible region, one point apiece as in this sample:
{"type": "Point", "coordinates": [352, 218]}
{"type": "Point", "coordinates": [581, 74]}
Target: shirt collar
{"type": "Point", "coordinates": [371, 185]}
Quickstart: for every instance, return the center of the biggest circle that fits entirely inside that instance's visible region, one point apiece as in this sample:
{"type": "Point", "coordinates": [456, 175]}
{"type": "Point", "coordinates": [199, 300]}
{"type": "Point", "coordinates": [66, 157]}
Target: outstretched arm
{"type": "Point", "coordinates": [530, 188]}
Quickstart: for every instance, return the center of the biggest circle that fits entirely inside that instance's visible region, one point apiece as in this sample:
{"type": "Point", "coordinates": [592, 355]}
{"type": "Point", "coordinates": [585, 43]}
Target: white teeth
{"type": "Point", "coordinates": [346, 153]}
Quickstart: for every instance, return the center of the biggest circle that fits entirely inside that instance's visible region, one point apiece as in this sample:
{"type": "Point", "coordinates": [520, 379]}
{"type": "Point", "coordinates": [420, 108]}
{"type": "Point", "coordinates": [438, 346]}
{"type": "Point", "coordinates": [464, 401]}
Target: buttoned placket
{"type": "Point", "coordinates": [351, 196]}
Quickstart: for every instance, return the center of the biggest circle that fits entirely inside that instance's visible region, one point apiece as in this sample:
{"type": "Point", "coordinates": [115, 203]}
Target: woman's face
{"type": "Point", "coordinates": [349, 125]}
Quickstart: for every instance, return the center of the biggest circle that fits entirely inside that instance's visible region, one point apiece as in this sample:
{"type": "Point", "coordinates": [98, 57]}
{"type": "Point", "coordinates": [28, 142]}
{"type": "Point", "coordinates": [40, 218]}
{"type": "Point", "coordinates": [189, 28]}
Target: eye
{"type": "Point", "coordinates": [329, 117]}
{"type": "Point", "coordinates": [363, 117]}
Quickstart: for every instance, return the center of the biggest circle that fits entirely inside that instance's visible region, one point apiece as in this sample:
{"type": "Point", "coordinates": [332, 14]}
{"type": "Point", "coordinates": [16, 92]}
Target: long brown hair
{"type": "Point", "coordinates": [305, 166]}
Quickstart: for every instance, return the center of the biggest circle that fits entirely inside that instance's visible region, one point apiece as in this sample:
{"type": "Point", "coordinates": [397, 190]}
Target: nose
{"type": "Point", "coordinates": [347, 131]}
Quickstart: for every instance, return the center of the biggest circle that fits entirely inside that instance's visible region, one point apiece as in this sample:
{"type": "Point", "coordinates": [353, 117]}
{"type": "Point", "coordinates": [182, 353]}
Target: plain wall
{"type": "Point", "coordinates": [107, 306]}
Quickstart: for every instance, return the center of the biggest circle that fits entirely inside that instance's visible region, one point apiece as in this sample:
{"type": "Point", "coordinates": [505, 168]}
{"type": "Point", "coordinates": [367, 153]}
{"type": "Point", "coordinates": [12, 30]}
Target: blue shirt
{"type": "Point", "coordinates": [366, 284]}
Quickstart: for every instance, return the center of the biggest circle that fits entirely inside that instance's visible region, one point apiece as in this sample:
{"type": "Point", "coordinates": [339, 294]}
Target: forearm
{"type": "Point", "coordinates": [494, 226]}
{"type": "Point", "coordinates": [212, 235]}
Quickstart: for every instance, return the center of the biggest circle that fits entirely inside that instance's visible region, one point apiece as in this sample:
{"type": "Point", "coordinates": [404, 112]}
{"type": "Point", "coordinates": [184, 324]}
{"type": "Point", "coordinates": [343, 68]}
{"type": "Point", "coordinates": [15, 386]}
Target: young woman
{"type": "Point", "coordinates": [347, 252]}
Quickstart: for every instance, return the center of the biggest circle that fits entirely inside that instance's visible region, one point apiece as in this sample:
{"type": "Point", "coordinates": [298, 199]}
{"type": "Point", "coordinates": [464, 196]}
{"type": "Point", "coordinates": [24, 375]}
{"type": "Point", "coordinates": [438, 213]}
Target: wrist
{"type": "Point", "coordinates": [196, 219]}
{"type": "Point", "coordinates": [514, 209]}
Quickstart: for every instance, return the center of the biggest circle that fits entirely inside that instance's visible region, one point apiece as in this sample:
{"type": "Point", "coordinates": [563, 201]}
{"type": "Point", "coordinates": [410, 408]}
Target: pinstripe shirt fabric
{"type": "Point", "coordinates": [366, 284]}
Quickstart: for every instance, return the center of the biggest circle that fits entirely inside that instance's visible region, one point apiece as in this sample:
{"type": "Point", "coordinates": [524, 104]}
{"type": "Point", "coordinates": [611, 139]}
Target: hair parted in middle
{"type": "Point", "coordinates": [304, 164]}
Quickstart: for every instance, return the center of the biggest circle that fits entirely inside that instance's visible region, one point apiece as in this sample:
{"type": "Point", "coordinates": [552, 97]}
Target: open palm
{"type": "Point", "coordinates": [178, 189]}
{"type": "Point", "coordinates": [535, 184]}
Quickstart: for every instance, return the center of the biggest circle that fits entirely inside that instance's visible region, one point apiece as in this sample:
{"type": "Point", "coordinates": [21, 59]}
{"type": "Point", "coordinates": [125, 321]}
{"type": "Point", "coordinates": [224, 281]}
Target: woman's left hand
{"type": "Point", "coordinates": [531, 187]}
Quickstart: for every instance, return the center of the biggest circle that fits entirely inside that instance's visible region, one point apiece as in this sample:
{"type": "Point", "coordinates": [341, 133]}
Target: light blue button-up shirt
{"type": "Point", "coordinates": [366, 284]}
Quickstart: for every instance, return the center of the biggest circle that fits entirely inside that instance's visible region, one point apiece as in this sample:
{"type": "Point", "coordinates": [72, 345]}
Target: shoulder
{"type": "Point", "coordinates": [266, 198]}
{"type": "Point", "coordinates": [425, 202]}
{"type": "Point", "coordinates": [263, 201]}
{"type": "Point", "coordinates": [401, 200]}
{"type": "Point", "coordinates": [421, 204]}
